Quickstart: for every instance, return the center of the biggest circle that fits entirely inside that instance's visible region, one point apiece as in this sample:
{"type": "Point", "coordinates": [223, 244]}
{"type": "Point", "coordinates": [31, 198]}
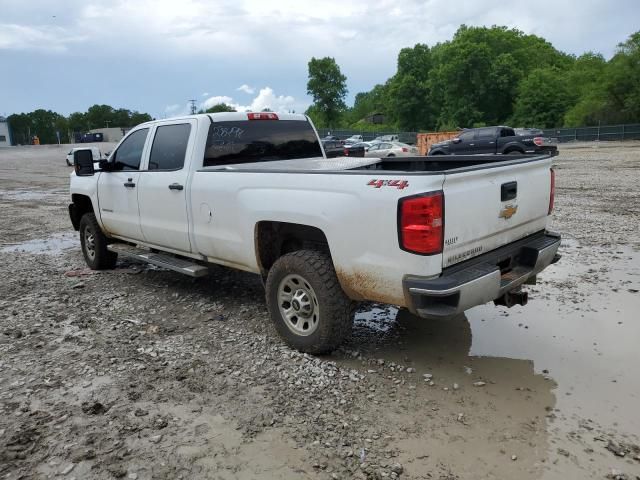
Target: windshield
{"type": "Point", "coordinates": [250, 141]}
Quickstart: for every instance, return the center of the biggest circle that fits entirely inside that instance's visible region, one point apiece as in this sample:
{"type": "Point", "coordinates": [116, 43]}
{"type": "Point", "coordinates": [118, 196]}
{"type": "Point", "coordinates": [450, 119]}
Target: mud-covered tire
{"type": "Point", "coordinates": [94, 244]}
{"type": "Point", "coordinates": [335, 310]}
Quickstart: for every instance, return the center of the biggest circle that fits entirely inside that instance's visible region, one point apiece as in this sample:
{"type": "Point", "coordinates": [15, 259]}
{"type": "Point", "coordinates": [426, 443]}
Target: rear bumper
{"type": "Point", "coordinates": [481, 279]}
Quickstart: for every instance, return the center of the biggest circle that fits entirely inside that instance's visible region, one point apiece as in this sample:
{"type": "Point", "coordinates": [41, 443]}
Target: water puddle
{"type": "Point", "coordinates": [56, 244]}
{"type": "Point", "coordinates": [376, 317]}
{"type": "Point", "coordinates": [573, 349]}
{"type": "Point", "coordinates": [28, 195]}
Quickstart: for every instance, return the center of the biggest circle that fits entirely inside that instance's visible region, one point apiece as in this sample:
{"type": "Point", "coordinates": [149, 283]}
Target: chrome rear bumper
{"type": "Point", "coordinates": [481, 279]}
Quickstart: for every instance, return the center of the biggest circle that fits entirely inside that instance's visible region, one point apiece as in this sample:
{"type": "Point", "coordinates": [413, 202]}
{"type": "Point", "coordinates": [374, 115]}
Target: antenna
{"type": "Point", "coordinates": [192, 103]}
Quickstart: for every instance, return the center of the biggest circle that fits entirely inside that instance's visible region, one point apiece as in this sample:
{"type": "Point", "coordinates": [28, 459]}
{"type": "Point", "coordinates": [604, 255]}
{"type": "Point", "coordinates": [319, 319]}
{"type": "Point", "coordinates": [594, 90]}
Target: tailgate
{"type": "Point", "coordinates": [492, 206]}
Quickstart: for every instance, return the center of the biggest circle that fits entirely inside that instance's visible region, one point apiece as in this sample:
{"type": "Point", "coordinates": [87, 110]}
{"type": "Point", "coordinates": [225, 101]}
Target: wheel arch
{"type": "Point", "coordinates": [275, 239]}
{"type": "Point", "coordinates": [80, 205]}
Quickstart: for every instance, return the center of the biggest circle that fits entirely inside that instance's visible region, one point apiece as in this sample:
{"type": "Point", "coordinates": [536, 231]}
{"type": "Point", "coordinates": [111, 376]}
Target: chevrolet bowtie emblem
{"type": "Point", "coordinates": [508, 212]}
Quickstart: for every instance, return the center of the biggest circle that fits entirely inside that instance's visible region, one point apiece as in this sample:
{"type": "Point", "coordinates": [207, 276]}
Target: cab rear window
{"type": "Point", "coordinates": [251, 141]}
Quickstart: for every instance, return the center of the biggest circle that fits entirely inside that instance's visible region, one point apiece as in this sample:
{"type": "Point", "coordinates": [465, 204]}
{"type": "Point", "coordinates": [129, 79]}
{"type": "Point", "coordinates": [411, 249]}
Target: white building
{"type": "Point", "coordinates": [5, 140]}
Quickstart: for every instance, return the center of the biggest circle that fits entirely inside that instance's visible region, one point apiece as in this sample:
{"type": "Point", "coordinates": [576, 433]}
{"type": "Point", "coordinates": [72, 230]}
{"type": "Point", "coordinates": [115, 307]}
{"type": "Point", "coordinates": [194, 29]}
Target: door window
{"type": "Point", "coordinates": [129, 153]}
{"type": "Point", "coordinates": [487, 133]}
{"type": "Point", "coordinates": [169, 147]}
{"type": "Point", "coordinates": [467, 136]}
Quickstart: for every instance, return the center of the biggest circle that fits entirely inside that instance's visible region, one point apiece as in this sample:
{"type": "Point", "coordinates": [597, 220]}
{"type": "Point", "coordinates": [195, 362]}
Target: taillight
{"type": "Point", "coordinates": [346, 152]}
{"type": "Point", "coordinates": [552, 194]}
{"type": "Point", "coordinates": [262, 116]}
{"type": "Point", "coordinates": [539, 141]}
{"type": "Point", "coordinates": [421, 223]}
{"type": "Point", "coordinates": [405, 149]}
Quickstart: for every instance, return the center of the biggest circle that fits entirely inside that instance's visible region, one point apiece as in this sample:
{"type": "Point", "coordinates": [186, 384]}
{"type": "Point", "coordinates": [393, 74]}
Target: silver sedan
{"type": "Point", "coordinates": [391, 149]}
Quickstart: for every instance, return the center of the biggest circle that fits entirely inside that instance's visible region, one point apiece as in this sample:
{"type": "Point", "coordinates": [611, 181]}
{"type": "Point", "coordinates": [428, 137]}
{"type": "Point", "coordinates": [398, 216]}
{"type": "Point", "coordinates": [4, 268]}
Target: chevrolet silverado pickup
{"type": "Point", "coordinates": [255, 192]}
{"type": "Point", "coordinates": [494, 140]}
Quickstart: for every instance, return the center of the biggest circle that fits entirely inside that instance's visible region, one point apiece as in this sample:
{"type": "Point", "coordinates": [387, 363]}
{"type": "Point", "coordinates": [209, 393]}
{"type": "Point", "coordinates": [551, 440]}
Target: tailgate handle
{"type": "Point", "coordinates": [508, 191]}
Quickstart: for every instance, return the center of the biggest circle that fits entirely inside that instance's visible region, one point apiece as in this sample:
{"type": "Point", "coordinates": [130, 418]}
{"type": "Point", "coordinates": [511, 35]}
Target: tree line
{"type": "Point", "coordinates": [46, 124]}
{"type": "Point", "coordinates": [486, 76]}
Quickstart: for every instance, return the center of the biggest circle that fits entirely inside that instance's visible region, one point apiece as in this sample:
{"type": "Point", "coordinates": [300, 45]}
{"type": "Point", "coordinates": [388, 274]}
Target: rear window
{"type": "Point", "coordinates": [250, 141]}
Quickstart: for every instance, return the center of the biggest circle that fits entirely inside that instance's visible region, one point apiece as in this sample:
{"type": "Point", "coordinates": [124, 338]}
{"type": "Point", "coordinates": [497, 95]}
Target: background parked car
{"type": "Point", "coordinates": [335, 148]}
{"type": "Point", "coordinates": [364, 145]}
{"type": "Point", "coordinates": [353, 139]}
{"type": "Point", "coordinates": [391, 149]}
{"type": "Point", "coordinates": [387, 138]}
{"type": "Point", "coordinates": [95, 152]}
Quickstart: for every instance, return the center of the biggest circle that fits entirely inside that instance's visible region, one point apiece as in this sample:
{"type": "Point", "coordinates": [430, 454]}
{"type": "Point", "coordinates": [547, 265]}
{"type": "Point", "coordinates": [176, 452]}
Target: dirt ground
{"type": "Point", "coordinates": [143, 373]}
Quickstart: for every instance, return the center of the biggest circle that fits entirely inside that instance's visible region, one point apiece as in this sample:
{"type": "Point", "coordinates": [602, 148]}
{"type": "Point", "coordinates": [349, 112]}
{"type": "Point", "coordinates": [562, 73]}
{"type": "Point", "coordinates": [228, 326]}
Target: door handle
{"type": "Point", "coordinates": [129, 183]}
{"type": "Point", "coordinates": [175, 186]}
{"type": "Point", "coordinates": [471, 144]}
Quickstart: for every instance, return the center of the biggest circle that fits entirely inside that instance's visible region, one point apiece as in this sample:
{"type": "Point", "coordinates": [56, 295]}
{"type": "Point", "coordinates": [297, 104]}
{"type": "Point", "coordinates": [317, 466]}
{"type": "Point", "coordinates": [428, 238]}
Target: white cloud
{"type": "Point", "coordinates": [266, 98]}
{"type": "Point", "coordinates": [205, 94]}
{"type": "Point", "coordinates": [246, 89]}
{"type": "Point", "coordinates": [172, 108]}
{"type": "Point", "coordinates": [216, 100]}
{"type": "Point", "coordinates": [37, 37]}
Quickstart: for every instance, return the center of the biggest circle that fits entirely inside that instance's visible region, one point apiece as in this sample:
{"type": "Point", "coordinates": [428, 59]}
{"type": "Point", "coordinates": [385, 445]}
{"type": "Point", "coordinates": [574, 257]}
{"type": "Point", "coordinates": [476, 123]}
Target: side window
{"type": "Point", "coordinates": [507, 132]}
{"type": "Point", "coordinates": [169, 147]}
{"type": "Point", "coordinates": [487, 133]}
{"type": "Point", "coordinates": [467, 136]}
{"type": "Point", "coordinates": [129, 153]}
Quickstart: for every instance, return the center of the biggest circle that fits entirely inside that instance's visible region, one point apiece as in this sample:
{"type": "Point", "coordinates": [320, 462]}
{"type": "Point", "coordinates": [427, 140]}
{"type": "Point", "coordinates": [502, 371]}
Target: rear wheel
{"type": "Point", "coordinates": [306, 302]}
{"type": "Point", "coordinates": [94, 244]}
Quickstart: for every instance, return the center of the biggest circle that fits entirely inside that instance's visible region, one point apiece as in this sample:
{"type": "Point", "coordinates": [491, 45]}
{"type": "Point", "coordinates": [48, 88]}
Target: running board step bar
{"type": "Point", "coordinates": [163, 260]}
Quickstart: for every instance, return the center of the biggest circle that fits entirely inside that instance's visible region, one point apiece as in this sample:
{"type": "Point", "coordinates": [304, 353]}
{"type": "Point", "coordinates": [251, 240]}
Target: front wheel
{"type": "Point", "coordinates": [306, 302]}
{"type": "Point", "coordinates": [94, 244]}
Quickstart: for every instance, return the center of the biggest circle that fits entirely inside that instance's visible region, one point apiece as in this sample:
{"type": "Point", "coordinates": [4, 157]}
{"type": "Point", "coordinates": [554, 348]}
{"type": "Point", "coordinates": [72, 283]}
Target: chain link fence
{"type": "Point", "coordinates": [579, 134]}
{"type": "Point", "coordinates": [590, 134]}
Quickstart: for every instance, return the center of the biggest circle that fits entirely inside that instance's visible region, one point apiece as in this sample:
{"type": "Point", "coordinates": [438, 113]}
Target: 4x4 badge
{"type": "Point", "coordinates": [508, 212]}
{"type": "Point", "coordinates": [399, 184]}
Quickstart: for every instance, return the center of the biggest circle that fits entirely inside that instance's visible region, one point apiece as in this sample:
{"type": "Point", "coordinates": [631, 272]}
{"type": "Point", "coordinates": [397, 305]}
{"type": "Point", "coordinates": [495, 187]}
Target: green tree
{"type": "Point", "coordinates": [99, 116]}
{"type": "Point", "coordinates": [78, 122]}
{"type": "Point", "coordinates": [622, 82]}
{"type": "Point", "coordinates": [409, 104]}
{"type": "Point", "coordinates": [220, 107]}
{"type": "Point", "coordinates": [543, 99]}
{"type": "Point", "coordinates": [328, 87]}
{"type": "Point", "coordinates": [137, 118]}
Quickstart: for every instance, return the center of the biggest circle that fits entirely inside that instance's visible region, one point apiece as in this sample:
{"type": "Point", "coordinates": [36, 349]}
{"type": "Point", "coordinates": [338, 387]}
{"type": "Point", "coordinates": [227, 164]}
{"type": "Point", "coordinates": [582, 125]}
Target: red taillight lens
{"type": "Point", "coordinates": [346, 152]}
{"type": "Point", "coordinates": [421, 223]}
{"type": "Point", "coordinates": [552, 194]}
{"type": "Point", "coordinates": [539, 141]}
{"type": "Point", "coordinates": [262, 116]}
{"type": "Point", "coordinates": [405, 149]}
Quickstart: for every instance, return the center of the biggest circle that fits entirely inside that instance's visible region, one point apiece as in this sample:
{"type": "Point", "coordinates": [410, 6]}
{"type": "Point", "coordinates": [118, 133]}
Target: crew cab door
{"type": "Point", "coordinates": [118, 187]}
{"type": "Point", "coordinates": [164, 216]}
{"type": "Point", "coordinates": [465, 145]}
{"type": "Point", "coordinates": [486, 141]}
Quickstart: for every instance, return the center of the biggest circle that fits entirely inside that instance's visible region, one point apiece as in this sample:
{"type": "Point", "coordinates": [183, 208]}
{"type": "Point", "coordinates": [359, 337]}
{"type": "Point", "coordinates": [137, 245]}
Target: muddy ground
{"type": "Point", "coordinates": [142, 373]}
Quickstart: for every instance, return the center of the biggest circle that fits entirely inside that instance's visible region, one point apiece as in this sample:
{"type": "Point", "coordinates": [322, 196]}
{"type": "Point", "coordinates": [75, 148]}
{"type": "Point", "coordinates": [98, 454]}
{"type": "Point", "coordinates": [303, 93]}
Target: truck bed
{"type": "Point", "coordinates": [417, 165]}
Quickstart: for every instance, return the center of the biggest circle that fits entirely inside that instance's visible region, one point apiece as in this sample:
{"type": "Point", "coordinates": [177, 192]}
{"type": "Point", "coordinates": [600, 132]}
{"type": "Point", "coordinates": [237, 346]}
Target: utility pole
{"type": "Point", "coordinates": [193, 106]}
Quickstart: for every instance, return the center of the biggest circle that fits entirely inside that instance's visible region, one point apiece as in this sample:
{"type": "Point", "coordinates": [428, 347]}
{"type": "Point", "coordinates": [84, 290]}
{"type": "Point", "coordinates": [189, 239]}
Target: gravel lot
{"type": "Point", "coordinates": [142, 373]}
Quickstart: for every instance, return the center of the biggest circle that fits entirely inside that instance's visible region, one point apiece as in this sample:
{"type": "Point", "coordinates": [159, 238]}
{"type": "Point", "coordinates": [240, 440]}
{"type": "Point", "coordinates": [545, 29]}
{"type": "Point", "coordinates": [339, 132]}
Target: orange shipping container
{"type": "Point", "coordinates": [425, 140]}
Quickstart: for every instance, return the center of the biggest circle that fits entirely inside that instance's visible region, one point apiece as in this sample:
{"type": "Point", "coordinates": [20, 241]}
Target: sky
{"type": "Point", "coordinates": [156, 55]}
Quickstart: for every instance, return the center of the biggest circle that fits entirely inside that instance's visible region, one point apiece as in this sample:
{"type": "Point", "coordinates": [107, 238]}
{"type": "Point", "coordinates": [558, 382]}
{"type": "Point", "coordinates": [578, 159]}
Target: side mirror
{"type": "Point", "coordinates": [456, 140]}
{"type": "Point", "coordinates": [104, 165]}
{"type": "Point", "coordinates": [83, 163]}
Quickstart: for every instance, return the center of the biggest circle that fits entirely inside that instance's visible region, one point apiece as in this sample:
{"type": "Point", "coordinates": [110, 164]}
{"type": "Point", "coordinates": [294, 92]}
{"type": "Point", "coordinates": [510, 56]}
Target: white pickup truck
{"type": "Point", "coordinates": [254, 191]}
